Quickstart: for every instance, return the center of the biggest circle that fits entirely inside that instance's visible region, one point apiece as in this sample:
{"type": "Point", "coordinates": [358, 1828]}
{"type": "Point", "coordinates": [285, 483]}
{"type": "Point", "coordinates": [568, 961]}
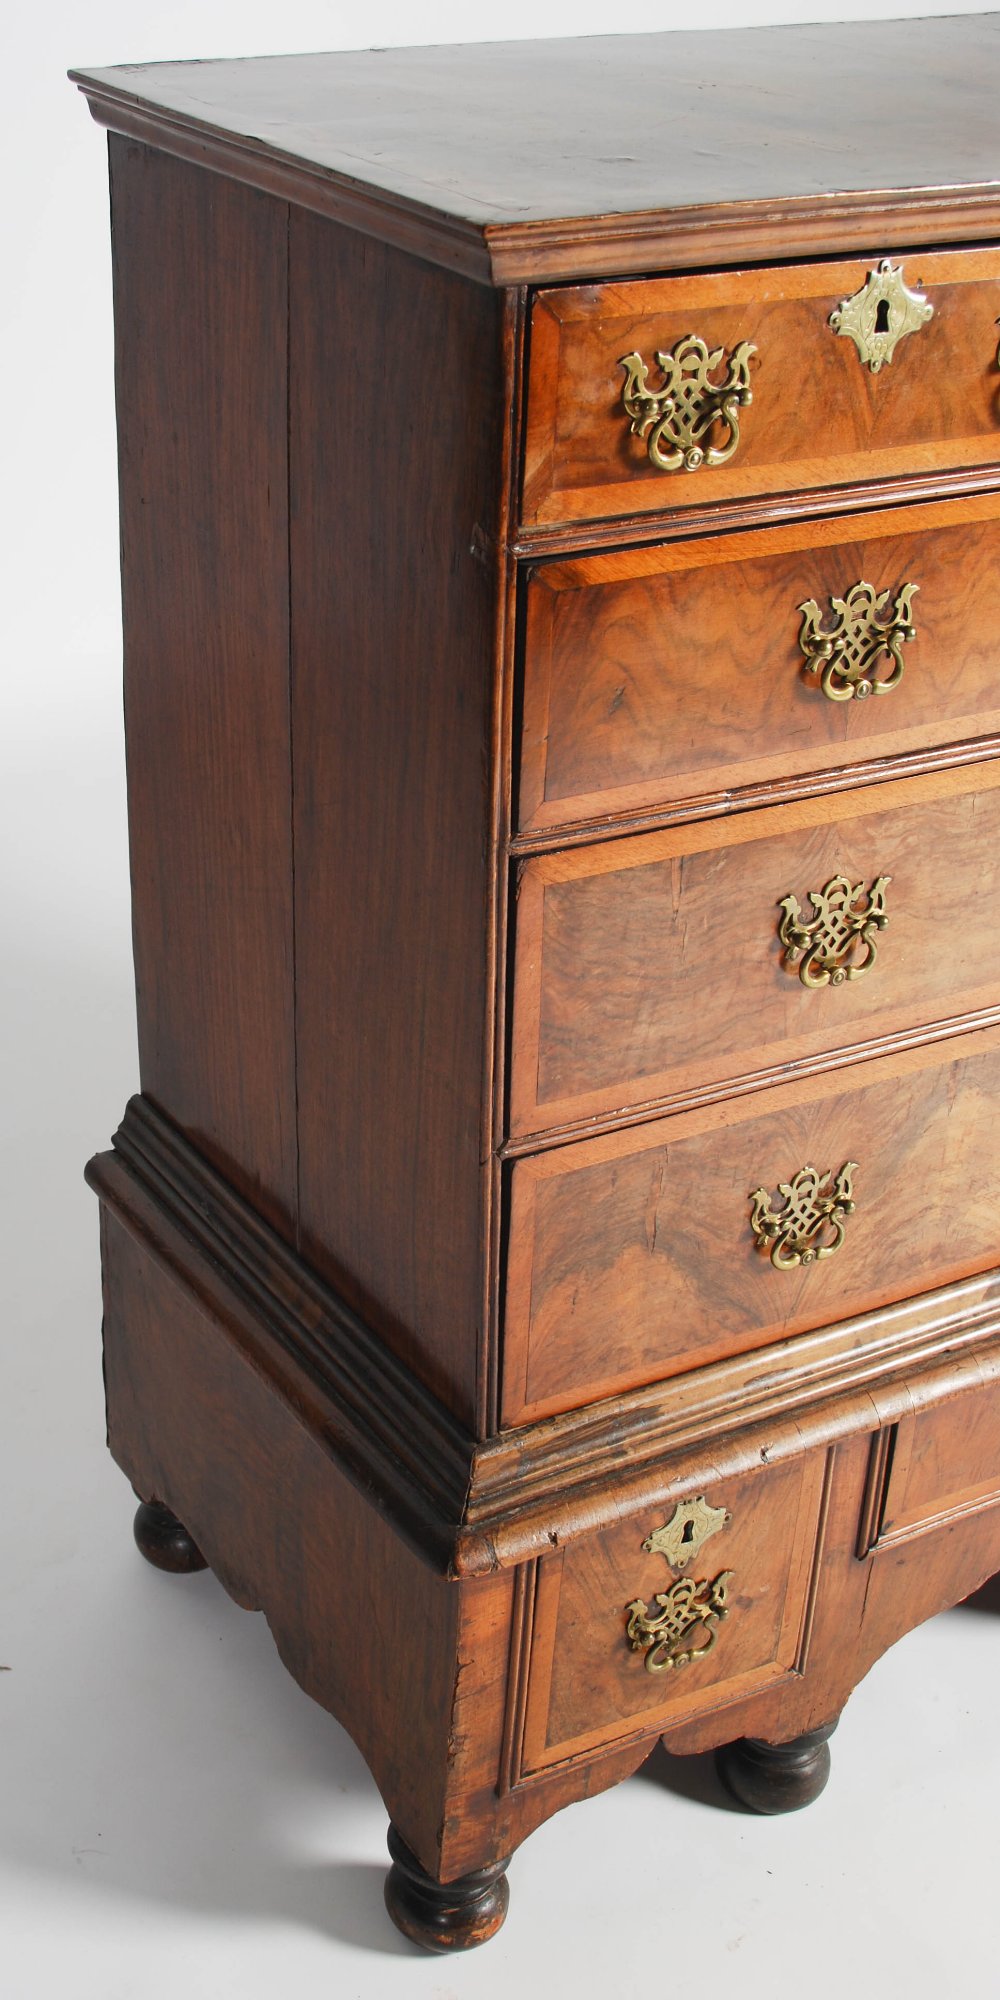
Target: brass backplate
{"type": "Point", "coordinates": [838, 942]}
{"type": "Point", "coordinates": [684, 1625]}
{"type": "Point", "coordinates": [809, 1225]}
{"type": "Point", "coordinates": [863, 638]}
{"type": "Point", "coordinates": [690, 421]}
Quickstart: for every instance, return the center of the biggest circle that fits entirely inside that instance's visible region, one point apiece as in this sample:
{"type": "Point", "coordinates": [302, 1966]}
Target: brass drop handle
{"type": "Point", "coordinates": [679, 418]}
{"type": "Point", "coordinates": [684, 1625]}
{"type": "Point", "coordinates": [838, 942]}
{"type": "Point", "coordinates": [809, 1224]}
{"type": "Point", "coordinates": [851, 653]}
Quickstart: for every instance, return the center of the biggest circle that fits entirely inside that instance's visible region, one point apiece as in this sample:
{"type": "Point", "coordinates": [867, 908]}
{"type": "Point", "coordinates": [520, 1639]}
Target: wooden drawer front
{"type": "Point", "coordinates": [944, 1460]}
{"type": "Point", "coordinates": [652, 967]}
{"type": "Point", "coordinates": [588, 1686]}
{"type": "Point", "coordinates": [818, 415]}
{"type": "Point", "coordinates": [660, 675]}
{"type": "Point", "coordinates": [632, 1256]}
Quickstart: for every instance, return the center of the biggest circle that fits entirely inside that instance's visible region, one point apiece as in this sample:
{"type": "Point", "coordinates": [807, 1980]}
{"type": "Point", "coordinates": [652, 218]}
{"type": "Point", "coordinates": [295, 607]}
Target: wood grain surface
{"type": "Point", "coordinates": [650, 967]}
{"type": "Point", "coordinates": [775, 140]}
{"type": "Point", "coordinates": [631, 1256]}
{"type": "Point", "coordinates": [653, 676]}
{"type": "Point", "coordinates": [818, 416]}
{"type": "Point", "coordinates": [395, 583]}
{"type": "Point", "coordinates": [203, 470]}
{"type": "Point", "coordinates": [320, 1241]}
{"type": "Point", "coordinates": [426, 1674]}
{"type": "Point", "coordinates": [944, 1466]}
{"type": "Point", "coordinates": [588, 1687]}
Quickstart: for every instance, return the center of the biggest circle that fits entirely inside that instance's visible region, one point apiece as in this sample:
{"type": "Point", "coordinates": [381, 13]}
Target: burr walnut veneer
{"type": "Point", "coordinates": [551, 1268]}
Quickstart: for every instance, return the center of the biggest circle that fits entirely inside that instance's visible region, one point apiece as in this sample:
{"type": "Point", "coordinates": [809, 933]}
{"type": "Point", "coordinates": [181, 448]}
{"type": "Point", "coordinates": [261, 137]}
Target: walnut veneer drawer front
{"type": "Point", "coordinates": [804, 408]}
{"type": "Point", "coordinates": [658, 675]}
{"type": "Point", "coordinates": [662, 964]}
{"type": "Point", "coordinates": [739, 1613]}
{"type": "Point", "coordinates": [644, 1253]}
{"type": "Point", "coordinates": [943, 1464]}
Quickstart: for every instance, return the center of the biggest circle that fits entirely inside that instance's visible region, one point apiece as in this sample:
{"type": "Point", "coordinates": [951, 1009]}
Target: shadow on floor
{"type": "Point", "coordinates": [693, 1778]}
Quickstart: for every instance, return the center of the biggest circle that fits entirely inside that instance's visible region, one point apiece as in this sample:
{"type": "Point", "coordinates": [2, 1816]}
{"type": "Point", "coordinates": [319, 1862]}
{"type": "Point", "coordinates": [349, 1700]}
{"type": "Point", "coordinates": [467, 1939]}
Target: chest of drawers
{"type": "Point", "coordinates": [551, 1266]}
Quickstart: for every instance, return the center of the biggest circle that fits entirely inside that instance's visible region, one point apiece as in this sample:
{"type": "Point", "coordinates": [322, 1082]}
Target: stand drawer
{"type": "Point", "coordinates": [805, 409]}
{"type": "Point", "coordinates": [626, 1637]}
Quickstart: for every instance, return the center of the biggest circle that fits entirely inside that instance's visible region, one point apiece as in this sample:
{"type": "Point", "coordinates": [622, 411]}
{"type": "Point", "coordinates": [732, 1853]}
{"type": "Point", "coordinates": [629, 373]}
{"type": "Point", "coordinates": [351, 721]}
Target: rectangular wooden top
{"type": "Point", "coordinates": [543, 160]}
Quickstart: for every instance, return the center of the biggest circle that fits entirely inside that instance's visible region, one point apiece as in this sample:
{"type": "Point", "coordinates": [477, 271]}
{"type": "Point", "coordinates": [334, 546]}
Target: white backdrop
{"type": "Point", "coordinates": [175, 1817]}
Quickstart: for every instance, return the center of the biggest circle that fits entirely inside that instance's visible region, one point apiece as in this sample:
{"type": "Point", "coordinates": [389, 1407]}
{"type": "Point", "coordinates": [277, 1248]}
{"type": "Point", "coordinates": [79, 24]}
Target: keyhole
{"type": "Point", "coordinates": [687, 1532]}
{"type": "Point", "coordinates": [882, 316]}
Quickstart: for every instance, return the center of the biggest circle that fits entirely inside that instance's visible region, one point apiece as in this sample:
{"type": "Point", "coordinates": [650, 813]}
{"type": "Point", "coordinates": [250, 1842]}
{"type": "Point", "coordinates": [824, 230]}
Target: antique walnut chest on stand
{"type": "Point", "coordinates": [551, 1266]}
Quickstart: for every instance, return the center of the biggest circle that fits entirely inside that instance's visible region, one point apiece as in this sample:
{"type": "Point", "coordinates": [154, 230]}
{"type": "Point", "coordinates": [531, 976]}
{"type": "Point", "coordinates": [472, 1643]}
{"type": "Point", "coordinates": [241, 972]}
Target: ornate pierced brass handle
{"type": "Point", "coordinates": [849, 654]}
{"type": "Point", "coordinates": [837, 943]}
{"type": "Point", "coordinates": [881, 314]}
{"type": "Point", "coordinates": [810, 1223]}
{"type": "Point", "coordinates": [678, 418]}
{"type": "Point", "coordinates": [683, 1626]}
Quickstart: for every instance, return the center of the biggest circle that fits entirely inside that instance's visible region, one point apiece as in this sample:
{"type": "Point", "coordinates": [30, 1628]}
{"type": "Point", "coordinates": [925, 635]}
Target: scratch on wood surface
{"type": "Point", "coordinates": [652, 1206]}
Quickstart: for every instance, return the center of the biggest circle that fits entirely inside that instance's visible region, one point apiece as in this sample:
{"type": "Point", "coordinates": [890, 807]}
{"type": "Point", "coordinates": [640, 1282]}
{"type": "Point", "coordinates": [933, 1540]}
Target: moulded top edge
{"type": "Point", "coordinates": [538, 161]}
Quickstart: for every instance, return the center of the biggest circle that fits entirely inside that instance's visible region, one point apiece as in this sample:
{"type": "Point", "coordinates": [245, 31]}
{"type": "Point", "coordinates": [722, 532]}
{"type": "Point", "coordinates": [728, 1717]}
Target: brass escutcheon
{"type": "Point", "coordinates": [688, 1529]}
{"type": "Point", "coordinates": [881, 314]}
{"type": "Point", "coordinates": [847, 654]}
{"type": "Point", "coordinates": [810, 1225]}
{"type": "Point", "coordinates": [837, 943]}
{"type": "Point", "coordinates": [677, 418]}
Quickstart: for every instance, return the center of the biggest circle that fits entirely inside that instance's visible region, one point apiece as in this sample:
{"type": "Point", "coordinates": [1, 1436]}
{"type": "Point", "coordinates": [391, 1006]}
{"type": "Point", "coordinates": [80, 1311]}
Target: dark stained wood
{"type": "Point", "coordinates": [203, 473]}
{"type": "Point", "coordinates": [628, 953]}
{"type": "Point", "coordinates": [818, 415]}
{"type": "Point", "coordinates": [360, 1621]}
{"type": "Point", "coordinates": [653, 675]}
{"type": "Point", "coordinates": [404, 1448]}
{"type": "Point", "coordinates": [554, 159]}
{"type": "Point", "coordinates": [395, 585]}
{"type": "Point", "coordinates": [777, 1777]}
{"type": "Point", "coordinates": [164, 1540]}
{"type": "Point", "coordinates": [632, 1257]}
{"type": "Point", "coordinates": [421, 1390]}
{"type": "Point", "coordinates": [454, 1916]}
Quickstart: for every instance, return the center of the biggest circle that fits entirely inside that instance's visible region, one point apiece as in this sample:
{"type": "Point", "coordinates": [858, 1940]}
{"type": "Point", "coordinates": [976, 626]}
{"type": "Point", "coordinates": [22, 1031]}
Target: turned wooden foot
{"type": "Point", "coordinates": [776, 1777]}
{"type": "Point", "coordinates": [164, 1540]}
{"type": "Point", "coordinates": [444, 1916]}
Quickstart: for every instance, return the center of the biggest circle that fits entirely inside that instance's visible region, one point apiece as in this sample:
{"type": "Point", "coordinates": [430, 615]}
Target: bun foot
{"type": "Point", "coordinates": [443, 1916]}
{"type": "Point", "coordinates": [776, 1777]}
{"type": "Point", "coordinates": [164, 1540]}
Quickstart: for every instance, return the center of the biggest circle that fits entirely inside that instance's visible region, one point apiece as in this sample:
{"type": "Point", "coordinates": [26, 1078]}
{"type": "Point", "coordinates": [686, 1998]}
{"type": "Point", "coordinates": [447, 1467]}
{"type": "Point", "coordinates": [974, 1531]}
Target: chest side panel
{"type": "Point", "coordinates": [200, 311]}
{"type": "Point", "coordinates": [396, 415]}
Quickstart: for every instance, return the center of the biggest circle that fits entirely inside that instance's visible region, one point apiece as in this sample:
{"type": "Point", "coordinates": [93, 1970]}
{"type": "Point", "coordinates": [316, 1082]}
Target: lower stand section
{"type": "Point", "coordinates": [777, 1777]}
{"type": "Point", "coordinates": [444, 1916]}
{"type": "Point", "coordinates": [164, 1540]}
